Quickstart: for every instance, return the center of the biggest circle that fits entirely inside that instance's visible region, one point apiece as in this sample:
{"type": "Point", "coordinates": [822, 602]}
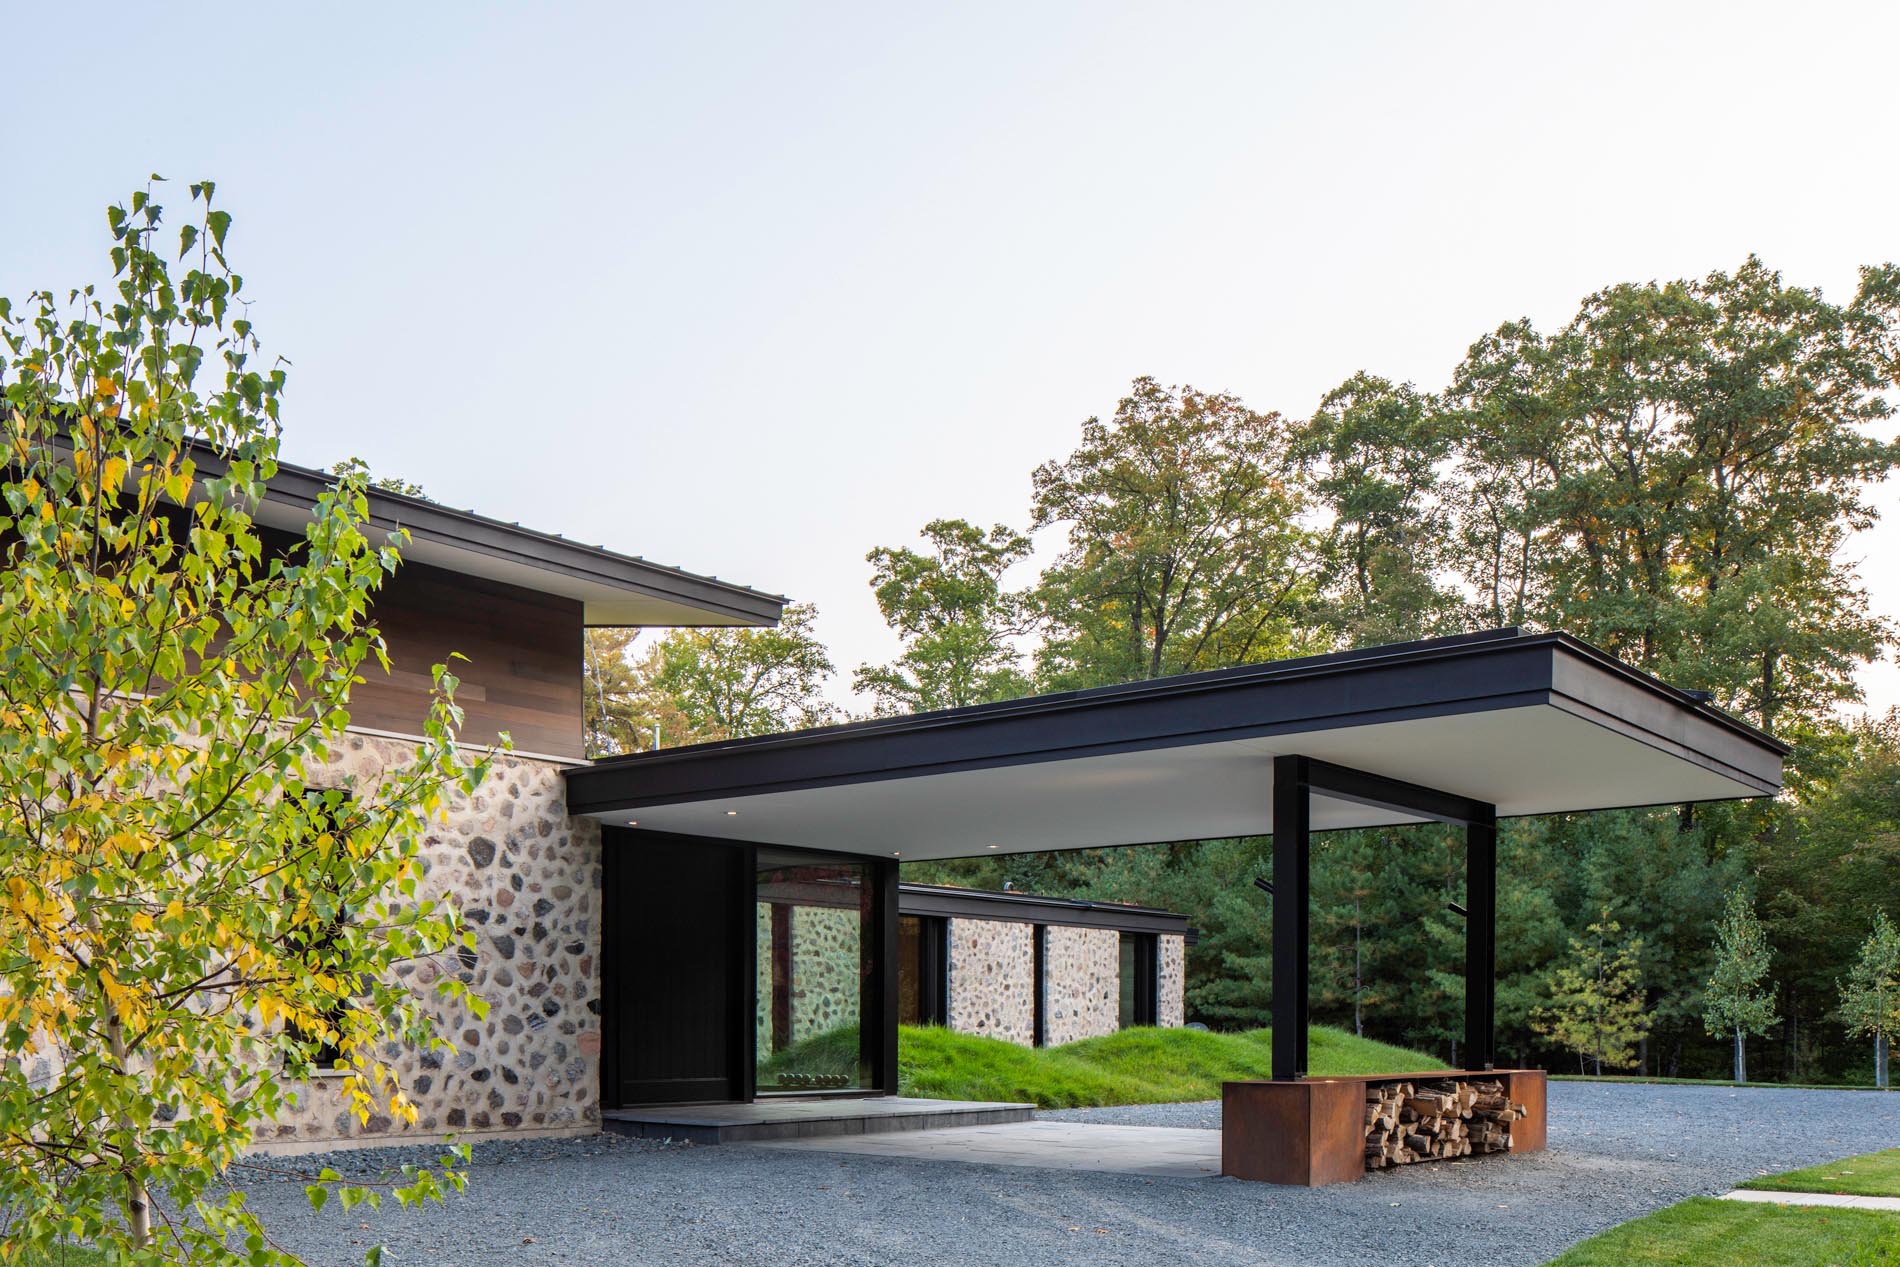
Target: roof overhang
{"type": "Point", "coordinates": [1530, 723]}
{"type": "Point", "coordinates": [615, 589]}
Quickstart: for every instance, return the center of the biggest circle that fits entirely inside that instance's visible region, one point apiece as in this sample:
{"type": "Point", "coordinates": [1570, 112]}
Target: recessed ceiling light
{"type": "Point", "coordinates": [732, 813]}
{"type": "Point", "coordinates": [995, 846]}
{"type": "Point", "coordinates": [633, 822]}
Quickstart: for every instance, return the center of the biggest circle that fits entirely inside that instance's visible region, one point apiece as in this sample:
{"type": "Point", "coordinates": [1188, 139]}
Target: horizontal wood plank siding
{"type": "Point", "coordinates": [522, 674]}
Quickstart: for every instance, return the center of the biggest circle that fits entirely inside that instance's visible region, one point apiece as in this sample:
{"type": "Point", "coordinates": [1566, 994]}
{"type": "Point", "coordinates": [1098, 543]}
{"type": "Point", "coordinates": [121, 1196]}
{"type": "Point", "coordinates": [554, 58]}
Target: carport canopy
{"type": "Point", "coordinates": [1463, 730]}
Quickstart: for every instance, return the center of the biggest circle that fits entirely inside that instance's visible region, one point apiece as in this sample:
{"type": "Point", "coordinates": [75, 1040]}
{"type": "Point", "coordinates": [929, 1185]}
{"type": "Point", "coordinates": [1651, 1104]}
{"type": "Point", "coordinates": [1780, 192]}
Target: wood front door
{"type": "Point", "coordinates": [676, 958]}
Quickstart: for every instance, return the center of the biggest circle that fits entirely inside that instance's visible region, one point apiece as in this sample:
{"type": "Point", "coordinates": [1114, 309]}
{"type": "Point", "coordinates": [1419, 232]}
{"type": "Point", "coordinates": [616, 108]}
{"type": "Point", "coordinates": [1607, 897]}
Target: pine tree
{"type": "Point", "coordinates": [1596, 998]}
{"type": "Point", "coordinates": [1870, 997]}
{"type": "Point", "coordinates": [1737, 1002]}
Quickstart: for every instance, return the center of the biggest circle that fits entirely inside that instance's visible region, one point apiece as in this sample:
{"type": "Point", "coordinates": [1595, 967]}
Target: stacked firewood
{"type": "Point", "coordinates": [1440, 1117]}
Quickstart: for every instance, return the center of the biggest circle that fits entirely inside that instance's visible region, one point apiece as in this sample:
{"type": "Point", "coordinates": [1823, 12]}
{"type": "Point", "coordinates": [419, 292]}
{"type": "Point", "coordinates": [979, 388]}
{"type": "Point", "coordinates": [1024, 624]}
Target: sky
{"type": "Point", "coordinates": [752, 289]}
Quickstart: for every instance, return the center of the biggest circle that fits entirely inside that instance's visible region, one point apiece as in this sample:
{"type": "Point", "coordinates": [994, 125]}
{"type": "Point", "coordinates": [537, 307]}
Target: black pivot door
{"type": "Point", "coordinates": [676, 929]}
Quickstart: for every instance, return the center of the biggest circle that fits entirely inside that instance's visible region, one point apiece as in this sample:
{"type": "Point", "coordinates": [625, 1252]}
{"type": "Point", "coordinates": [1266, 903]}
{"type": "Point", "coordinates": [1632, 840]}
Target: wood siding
{"type": "Point", "coordinates": [522, 674]}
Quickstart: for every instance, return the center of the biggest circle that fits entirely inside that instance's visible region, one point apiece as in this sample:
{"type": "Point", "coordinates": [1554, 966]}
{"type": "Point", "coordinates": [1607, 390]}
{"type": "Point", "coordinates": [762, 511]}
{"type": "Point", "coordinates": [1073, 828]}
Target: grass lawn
{"type": "Point", "coordinates": [1134, 1066]}
{"type": "Point", "coordinates": [1869, 1175]}
{"type": "Point", "coordinates": [1739, 1234]}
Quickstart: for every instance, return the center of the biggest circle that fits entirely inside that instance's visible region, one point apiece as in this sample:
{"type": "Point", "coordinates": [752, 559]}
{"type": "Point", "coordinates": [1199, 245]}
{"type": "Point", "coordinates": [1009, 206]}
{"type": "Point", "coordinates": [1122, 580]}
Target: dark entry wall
{"type": "Point", "coordinates": [676, 969]}
{"type": "Point", "coordinates": [680, 976]}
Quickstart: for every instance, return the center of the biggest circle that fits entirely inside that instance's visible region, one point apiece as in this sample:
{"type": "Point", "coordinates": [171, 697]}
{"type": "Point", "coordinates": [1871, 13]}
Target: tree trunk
{"type": "Point", "coordinates": [1741, 1059]}
{"type": "Point", "coordinates": [138, 1202]}
{"type": "Point", "coordinates": [1880, 1060]}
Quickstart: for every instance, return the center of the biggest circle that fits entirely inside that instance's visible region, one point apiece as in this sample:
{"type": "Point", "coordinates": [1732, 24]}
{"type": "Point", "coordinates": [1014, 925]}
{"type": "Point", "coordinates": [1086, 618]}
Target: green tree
{"type": "Point", "coordinates": [1678, 468]}
{"type": "Point", "coordinates": [1737, 1002]}
{"type": "Point", "coordinates": [616, 711]}
{"type": "Point", "coordinates": [957, 621]}
{"type": "Point", "coordinates": [1185, 546]}
{"type": "Point", "coordinates": [1870, 997]}
{"type": "Point", "coordinates": [1371, 455]}
{"type": "Point", "coordinates": [189, 905]}
{"type": "Point", "coordinates": [1596, 998]}
{"type": "Point", "coordinates": [735, 683]}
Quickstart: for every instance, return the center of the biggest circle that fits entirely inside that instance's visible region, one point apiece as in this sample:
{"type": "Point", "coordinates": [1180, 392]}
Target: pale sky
{"type": "Point", "coordinates": [752, 289]}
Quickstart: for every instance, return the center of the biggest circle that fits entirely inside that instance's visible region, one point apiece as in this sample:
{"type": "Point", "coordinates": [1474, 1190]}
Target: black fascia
{"type": "Point", "coordinates": [1029, 908]}
{"type": "Point", "coordinates": [300, 487]}
{"type": "Point", "coordinates": [1433, 678]}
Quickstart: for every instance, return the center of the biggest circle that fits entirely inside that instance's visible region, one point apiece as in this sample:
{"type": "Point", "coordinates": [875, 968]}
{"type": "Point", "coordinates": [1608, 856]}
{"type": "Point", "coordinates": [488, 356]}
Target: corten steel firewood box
{"type": "Point", "coordinates": [1307, 1132]}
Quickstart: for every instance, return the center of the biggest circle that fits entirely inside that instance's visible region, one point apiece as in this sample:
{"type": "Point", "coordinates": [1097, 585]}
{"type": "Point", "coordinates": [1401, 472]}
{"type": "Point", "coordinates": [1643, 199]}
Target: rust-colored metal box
{"type": "Point", "coordinates": [1312, 1131]}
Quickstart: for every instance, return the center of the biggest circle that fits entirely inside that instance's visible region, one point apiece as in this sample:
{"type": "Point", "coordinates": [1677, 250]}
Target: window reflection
{"type": "Point", "coordinates": [814, 916]}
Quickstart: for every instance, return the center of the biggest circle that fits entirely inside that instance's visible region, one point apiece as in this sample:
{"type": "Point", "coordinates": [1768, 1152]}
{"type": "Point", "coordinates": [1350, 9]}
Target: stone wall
{"type": "Point", "coordinates": [528, 881]}
{"type": "Point", "coordinates": [1171, 968]}
{"type": "Point", "coordinates": [827, 964]}
{"type": "Point", "coordinates": [1081, 983]}
{"type": "Point", "coordinates": [992, 971]}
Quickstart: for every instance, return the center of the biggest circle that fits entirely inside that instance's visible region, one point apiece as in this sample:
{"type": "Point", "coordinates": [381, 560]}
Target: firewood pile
{"type": "Point", "coordinates": [1441, 1117]}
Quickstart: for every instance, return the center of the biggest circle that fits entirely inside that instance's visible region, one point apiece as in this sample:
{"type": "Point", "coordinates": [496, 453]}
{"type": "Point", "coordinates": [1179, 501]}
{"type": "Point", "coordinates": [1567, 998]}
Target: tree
{"type": "Point", "coordinates": [1870, 997]}
{"type": "Point", "coordinates": [1596, 998]}
{"type": "Point", "coordinates": [188, 911]}
{"type": "Point", "coordinates": [1736, 1002]}
{"type": "Point", "coordinates": [957, 622]}
{"type": "Point", "coordinates": [1371, 453]}
{"type": "Point", "coordinates": [615, 718]}
{"type": "Point", "coordinates": [1671, 477]}
{"type": "Point", "coordinates": [733, 683]}
{"type": "Point", "coordinates": [1185, 546]}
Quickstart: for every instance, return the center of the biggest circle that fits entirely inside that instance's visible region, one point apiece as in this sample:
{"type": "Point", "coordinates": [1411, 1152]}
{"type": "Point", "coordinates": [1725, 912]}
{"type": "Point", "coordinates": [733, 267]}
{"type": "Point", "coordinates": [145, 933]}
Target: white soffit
{"type": "Point", "coordinates": [1526, 760]}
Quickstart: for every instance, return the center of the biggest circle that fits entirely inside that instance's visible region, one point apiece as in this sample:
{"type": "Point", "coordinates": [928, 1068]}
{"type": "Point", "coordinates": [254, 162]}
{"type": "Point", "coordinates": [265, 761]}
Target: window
{"type": "Point", "coordinates": [814, 915]}
{"type": "Point", "coordinates": [1039, 985]}
{"type": "Point", "coordinates": [1139, 983]}
{"type": "Point", "coordinates": [922, 988]}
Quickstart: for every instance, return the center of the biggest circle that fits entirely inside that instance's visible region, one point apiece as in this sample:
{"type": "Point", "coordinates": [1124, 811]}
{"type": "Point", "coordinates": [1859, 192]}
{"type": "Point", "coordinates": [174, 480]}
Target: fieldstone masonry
{"type": "Point", "coordinates": [528, 880]}
{"type": "Point", "coordinates": [1171, 968]}
{"type": "Point", "coordinates": [1081, 985]}
{"type": "Point", "coordinates": [992, 973]}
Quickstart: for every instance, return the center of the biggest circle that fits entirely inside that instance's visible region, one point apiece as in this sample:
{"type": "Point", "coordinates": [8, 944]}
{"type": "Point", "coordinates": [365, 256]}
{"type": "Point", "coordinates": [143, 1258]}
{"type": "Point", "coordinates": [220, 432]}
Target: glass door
{"type": "Point", "coordinates": [815, 962]}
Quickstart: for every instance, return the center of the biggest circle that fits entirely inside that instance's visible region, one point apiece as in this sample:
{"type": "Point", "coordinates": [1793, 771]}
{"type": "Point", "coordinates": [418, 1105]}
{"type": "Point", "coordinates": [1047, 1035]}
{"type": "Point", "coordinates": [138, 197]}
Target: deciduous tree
{"type": "Point", "coordinates": [1870, 997]}
{"type": "Point", "coordinates": [732, 683]}
{"type": "Point", "coordinates": [1596, 997]}
{"type": "Point", "coordinates": [189, 907]}
{"type": "Point", "coordinates": [1185, 546]}
{"type": "Point", "coordinates": [957, 620]}
{"type": "Point", "coordinates": [1737, 1001]}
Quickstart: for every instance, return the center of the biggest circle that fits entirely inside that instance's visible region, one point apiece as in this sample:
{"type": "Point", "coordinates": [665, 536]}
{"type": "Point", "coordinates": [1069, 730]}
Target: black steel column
{"type": "Point", "coordinates": [1481, 935]}
{"type": "Point", "coordinates": [1292, 826]}
{"type": "Point", "coordinates": [877, 1032]}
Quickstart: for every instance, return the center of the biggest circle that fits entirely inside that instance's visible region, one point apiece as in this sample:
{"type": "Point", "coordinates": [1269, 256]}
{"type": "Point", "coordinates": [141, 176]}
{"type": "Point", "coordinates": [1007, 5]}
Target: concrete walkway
{"type": "Point", "coordinates": [1889, 1204]}
{"type": "Point", "coordinates": [1174, 1152]}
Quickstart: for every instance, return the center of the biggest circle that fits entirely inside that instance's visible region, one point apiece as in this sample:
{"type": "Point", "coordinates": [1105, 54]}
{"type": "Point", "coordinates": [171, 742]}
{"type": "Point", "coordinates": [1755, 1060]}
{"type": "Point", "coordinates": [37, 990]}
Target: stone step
{"type": "Point", "coordinates": [804, 1119]}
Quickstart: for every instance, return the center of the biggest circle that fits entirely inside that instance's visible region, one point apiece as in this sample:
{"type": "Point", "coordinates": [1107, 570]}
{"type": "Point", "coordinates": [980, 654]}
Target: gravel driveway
{"type": "Point", "coordinates": [1616, 1151]}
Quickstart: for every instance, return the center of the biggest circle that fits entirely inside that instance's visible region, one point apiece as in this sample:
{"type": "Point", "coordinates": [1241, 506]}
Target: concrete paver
{"type": "Point", "coordinates": [1176, 1152]}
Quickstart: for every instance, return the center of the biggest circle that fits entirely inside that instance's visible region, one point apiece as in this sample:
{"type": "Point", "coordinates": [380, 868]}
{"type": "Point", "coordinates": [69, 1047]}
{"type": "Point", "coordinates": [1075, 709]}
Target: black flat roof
{"type": "Point", "coordinates": [1530, 722]}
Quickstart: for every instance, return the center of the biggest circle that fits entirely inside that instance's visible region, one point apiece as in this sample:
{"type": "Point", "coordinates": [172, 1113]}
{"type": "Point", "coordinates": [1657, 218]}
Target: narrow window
{"type": "Point", "coordinates": [921, 984]}
{"type": "Point", "coordinates": [1039, 985]}
{"type": "Point", "coordinates": [1139, 983]}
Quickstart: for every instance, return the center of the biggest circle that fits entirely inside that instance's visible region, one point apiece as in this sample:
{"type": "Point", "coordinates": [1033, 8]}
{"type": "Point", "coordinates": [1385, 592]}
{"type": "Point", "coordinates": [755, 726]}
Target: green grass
{"type": "Point", "coordinates": [1134, 1066]}
{"type": "Point", "coordinates": [1868, 1175]}
{"type": "Point", "coordinates": [1703, 1230]}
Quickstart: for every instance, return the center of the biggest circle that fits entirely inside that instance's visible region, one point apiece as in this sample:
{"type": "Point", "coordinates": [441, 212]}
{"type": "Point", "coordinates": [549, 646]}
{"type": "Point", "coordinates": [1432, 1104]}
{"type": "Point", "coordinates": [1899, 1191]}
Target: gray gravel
{"type": "Point", "coordinates": [1617, 1151]}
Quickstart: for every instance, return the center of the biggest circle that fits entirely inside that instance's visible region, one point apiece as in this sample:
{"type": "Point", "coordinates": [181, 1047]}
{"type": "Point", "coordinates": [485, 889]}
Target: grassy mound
{"type": "Point", "coordinates": [1134, 1066]}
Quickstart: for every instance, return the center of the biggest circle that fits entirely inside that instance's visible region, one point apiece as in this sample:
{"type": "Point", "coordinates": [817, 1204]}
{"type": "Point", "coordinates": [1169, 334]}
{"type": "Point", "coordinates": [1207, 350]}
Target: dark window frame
{"type": "Point", "coordinates": [1145, 996]}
